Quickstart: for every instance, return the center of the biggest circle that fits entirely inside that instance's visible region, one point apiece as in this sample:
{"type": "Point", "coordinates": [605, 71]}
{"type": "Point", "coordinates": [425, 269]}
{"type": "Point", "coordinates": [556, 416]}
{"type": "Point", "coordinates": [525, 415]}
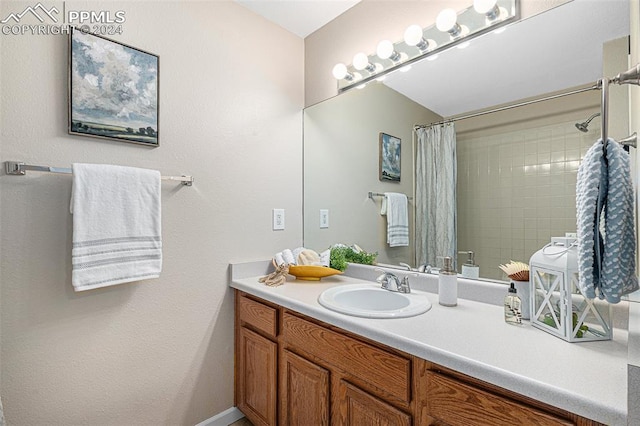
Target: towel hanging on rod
{"type": "Point", "coordinates": [18, 168]}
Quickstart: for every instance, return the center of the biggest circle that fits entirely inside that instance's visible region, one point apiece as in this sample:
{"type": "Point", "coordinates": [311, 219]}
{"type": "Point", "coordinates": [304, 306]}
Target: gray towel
{"type": "Point", "coordinates": [605, 218]}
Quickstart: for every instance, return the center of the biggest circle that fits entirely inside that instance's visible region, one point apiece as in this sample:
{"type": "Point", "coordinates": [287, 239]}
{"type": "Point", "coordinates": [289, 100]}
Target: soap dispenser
{"type": "Point", "coordinates": [512, 306]}
{"type": "Point", "coordinates": [448, 284]}
{"type": "Point", "coordinates": [469, 268]}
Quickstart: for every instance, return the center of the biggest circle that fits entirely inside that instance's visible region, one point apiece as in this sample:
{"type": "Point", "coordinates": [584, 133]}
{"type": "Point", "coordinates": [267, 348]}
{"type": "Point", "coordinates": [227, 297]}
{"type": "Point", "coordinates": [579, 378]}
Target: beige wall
{"type": "Point", "coordinates": [341, 152]}
{"type": "Point", "coordinates": [361, 28]}
{"type": "Point", "coordinates": [158, 351]}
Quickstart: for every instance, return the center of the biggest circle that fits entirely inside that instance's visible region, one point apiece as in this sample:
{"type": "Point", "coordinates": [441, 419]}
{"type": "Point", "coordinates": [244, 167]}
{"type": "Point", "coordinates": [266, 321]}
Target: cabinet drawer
{"type": "Point", "coordinates": [258, 315]}
{"type": "Point", "coordinates": [456, 403]}
{"type": "Point", "coordinates": [385, 371]}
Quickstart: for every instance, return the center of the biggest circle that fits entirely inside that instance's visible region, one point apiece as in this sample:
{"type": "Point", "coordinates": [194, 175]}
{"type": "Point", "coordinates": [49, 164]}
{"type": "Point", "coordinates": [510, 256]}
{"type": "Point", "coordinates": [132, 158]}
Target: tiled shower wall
{"type": "Point", "coordinates": [516, 190]}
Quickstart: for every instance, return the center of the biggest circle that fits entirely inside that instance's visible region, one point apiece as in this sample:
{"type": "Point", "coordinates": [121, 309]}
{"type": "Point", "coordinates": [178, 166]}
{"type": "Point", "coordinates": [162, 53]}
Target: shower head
{"type": "Point", "coordinates": [583, 127]}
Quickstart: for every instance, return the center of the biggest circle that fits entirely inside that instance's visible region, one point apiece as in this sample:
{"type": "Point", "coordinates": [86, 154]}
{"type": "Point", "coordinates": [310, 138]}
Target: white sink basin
{"type": "Point", "coordinates": [371, 301]}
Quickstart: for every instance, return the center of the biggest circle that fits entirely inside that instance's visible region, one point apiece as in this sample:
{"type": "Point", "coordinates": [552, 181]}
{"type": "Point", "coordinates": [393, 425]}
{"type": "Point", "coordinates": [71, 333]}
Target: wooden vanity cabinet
{"type": "Point", "coordinates": [294, 370]}
{"type": "Point", "coordinates": [256, 360]}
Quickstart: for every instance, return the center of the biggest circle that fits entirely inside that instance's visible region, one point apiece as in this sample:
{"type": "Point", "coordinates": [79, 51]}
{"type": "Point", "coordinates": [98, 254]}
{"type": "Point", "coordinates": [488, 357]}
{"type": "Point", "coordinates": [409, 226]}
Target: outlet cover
{"type": "Point", "coordinates": [278, 219]}
{"type": "Point", "coordinates": [324, 218]}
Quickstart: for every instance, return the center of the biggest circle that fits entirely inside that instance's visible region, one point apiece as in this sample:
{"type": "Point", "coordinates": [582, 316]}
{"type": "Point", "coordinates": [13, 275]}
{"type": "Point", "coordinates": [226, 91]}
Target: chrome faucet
{"type": "Point", "coordinates": [391, 282]}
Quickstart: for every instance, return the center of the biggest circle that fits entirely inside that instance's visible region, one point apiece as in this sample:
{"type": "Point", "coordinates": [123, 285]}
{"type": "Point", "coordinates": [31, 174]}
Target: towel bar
{"type": "Point", "coordinates": [378, 194]}
{"type": "Point", "coordinates": [18, 168]}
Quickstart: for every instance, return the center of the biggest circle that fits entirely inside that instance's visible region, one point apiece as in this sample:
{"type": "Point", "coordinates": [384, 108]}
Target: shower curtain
{"type": "Point", "coordinates": [436, 173]}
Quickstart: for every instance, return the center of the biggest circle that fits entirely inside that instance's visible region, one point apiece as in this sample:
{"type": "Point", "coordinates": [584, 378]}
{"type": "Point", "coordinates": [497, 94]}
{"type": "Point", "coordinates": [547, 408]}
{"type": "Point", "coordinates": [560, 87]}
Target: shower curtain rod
{"type": "Point", "coordinates": [504, 108]}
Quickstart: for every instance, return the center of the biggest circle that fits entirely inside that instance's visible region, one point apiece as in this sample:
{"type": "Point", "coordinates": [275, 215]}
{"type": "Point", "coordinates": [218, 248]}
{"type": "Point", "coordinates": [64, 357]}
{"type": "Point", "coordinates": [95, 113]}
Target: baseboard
{"type": "Point", "coordinates": [223, 419]}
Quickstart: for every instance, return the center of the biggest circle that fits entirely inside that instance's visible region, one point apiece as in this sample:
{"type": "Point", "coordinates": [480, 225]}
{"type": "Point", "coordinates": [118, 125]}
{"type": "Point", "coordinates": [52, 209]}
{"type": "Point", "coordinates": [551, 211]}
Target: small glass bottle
{"type": "Point", "coordinates": [512, 312]}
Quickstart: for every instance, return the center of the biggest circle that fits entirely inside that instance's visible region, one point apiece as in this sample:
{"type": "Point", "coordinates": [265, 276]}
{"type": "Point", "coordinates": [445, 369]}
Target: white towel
{"type": "Point", "coordinates": [116, 225]}
{"type": "Point", "coordinates": [397, 219]}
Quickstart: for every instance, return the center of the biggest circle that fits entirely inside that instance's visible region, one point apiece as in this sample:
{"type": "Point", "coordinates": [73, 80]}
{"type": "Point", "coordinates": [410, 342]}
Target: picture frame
{"type": "Point", "coordinates": [113, 90]}
{"type": "Point", "coordinates": [390, 156]}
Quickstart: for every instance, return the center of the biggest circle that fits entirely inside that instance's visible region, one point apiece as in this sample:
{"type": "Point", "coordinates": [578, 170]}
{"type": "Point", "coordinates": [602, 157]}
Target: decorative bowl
{"type": "Point", "coordinates": [311, 272]}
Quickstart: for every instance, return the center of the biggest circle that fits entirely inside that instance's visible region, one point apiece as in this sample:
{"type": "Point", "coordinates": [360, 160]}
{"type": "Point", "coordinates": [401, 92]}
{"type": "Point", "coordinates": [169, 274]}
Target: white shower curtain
{"type": "Point", "coordinates": [436, 173]}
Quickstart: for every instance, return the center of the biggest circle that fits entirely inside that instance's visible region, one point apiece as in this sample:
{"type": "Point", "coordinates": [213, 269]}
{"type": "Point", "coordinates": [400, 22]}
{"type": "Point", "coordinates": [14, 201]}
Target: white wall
{"type": "Point", "coordinates": [157, 351]}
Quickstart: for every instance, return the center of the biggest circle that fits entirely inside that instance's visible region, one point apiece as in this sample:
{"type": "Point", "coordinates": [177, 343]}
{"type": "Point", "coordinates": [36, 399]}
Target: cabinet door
{"type": "Point", "coordinates": [358, 408]}
{"type": "Point", "coordinates": [257, 377]}
{"type": "Point", "coordinates": [304, 392]}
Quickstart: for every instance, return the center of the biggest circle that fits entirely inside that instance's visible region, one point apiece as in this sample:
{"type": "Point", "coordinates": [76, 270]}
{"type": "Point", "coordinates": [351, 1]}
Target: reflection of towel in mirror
{"type": "Point", "coordinates": [116, 225]}
{"type": "Point", "coordinates": [605, 219]}
{"type": "Point", "coordinates": [397, 219]}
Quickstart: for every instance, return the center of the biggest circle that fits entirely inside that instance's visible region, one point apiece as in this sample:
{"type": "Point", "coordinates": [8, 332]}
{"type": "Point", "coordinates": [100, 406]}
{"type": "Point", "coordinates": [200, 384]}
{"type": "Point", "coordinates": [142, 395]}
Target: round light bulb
{"type": "Point", "coordinates": [360, 61]}
{"type": "Point", "coordinates": [413, 35]}
{"type": "Point", "coordinates": [446, 20]}
{"type": "Point", "coordinates": [385, 49]}
{"type": "Point", "coordinates": [340, 71]}
{"type": "Point", "coordinates": [484, 6]}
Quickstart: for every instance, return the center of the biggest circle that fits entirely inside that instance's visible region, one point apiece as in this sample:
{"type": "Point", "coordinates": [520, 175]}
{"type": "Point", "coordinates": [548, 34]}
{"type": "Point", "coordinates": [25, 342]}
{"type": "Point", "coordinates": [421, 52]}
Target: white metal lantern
{"type": "Point", "coordinates": [557, 304]}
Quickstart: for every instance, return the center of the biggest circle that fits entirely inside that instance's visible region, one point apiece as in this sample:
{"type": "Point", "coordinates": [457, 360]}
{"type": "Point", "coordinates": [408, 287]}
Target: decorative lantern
{"type": "Point", "coordinates": [557, 304]}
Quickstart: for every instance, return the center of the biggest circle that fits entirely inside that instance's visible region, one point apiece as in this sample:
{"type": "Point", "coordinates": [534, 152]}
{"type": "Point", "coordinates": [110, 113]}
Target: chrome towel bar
{"type": "Point", "coordinates": [18, 168]}
{"type": "Point", "coordinates": [378, 194]}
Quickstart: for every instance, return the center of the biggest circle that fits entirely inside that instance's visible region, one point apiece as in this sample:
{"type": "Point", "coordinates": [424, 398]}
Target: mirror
{"type": "Point", "coordinates": [516, 168]}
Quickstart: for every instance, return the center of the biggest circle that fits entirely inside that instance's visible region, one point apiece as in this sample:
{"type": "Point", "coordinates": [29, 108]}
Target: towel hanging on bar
{"type": "Point", "coordinates": [116, 225]}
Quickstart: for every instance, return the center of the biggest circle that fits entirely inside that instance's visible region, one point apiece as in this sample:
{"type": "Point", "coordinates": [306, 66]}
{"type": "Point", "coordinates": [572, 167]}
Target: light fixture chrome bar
{"type": "Point", "coordinates": [435, 41]}
{"type": "Point", "coordinates": [18, 168]}
{"type": "Point", "coordinates": [504, 108]}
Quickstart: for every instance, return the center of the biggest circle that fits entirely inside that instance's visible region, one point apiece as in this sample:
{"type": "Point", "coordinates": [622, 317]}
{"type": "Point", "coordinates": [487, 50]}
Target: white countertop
{"type": "Point", "coordinates": [589, 379]}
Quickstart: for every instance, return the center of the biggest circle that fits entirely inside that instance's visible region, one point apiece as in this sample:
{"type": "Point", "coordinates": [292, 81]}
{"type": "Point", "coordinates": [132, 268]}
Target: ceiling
{"type": "Point", "coordinates": [301, 17]}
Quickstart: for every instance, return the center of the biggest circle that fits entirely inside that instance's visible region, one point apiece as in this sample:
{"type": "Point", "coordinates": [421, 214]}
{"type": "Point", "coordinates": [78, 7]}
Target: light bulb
{"type": "Point", "coordinates": [340, 71]}
{"type": "Point", "coordinates": [360, 61]}
{"type": "Point", "coordinates": [413, 35]}
{"type": "Point", "coordinates": [447, 22]}
{"type": "Point", "coordinates": [484, 6]}
{"type": "Point", "coordinates": [385, 49]}
{"type": "Point", "coordinates": [490, 9]}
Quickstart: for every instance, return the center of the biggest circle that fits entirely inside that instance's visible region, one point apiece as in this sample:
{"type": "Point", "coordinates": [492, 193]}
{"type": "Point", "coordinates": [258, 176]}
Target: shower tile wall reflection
{"type": "Point", "coordinates": [516, 190]}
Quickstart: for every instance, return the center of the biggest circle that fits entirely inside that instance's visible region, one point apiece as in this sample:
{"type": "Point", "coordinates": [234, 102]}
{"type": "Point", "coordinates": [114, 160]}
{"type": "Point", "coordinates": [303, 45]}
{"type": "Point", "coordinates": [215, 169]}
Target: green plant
{"type": "Point", "coordinates": [341, 255]}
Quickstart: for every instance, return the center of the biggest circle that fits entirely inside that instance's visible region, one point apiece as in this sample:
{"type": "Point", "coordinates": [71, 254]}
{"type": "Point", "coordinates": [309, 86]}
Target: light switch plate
{"type": "Point", "coordinates": [278, 219]}
{"type": "Point", "coordinates": [324, 218]}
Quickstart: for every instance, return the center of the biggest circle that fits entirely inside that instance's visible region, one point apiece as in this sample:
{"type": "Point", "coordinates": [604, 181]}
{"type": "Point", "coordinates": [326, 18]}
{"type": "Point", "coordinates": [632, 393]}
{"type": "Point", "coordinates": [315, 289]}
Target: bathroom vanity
{"type": "Point", "coordinates": [300, 363]}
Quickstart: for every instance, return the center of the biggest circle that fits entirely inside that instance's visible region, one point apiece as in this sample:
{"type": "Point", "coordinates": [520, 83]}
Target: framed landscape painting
{"type": "Point", "coordinates": [113, 90]}
{"type": "Point", "coordinates": [389, 158]}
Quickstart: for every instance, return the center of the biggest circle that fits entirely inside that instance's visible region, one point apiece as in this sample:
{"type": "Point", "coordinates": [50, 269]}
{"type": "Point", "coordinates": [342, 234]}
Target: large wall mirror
{"type": "Point", "coordinates": [516, 169]}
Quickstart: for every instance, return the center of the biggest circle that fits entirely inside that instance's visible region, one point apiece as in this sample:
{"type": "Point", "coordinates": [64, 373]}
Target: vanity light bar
{"type": "Point", "coordinates": [419, 43]}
